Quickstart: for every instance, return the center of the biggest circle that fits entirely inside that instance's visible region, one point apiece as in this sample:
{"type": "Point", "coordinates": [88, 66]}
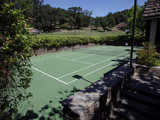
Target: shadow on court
{"type": "Point", "coordinates": [130, 50]}
{"type": "Point", "coordinates": [49, 112]}
{"type": "Point", "coordinates": [53, 113]}
{"type": "Point", "coordinates": [81, 78]}
{"type": "Point", "coordinates": [121, 62]}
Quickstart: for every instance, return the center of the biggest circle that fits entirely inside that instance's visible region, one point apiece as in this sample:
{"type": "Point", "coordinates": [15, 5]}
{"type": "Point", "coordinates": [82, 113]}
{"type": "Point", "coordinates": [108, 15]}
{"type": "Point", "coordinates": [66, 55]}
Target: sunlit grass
{"type": "Point", "coordinates": [80, 33]}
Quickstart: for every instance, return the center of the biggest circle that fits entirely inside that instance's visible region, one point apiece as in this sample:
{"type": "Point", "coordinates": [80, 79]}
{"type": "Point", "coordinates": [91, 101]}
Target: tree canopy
{"type": "Point", "coordinates": [140, 24]}
{"type": "Point", "coordinates": [49, 18]}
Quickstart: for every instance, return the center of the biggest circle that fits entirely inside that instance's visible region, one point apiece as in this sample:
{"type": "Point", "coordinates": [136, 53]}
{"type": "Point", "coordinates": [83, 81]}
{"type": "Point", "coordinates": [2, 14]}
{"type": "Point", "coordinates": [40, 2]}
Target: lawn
{"type": "Point", "coordinates": [83, 33]}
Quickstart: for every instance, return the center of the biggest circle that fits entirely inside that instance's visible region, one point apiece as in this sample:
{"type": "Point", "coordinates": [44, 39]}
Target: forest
{"type": "Point", "coordinates": [48, 18]}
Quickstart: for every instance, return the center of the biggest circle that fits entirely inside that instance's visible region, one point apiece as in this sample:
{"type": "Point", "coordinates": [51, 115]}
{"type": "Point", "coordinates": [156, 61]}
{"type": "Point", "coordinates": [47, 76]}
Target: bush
{"type": "Point", "coordinates": [58, 41]}
{"type": "Point", "coordinates": [15, 51]}
{"type": "Point", "coordinates": [148, 55]}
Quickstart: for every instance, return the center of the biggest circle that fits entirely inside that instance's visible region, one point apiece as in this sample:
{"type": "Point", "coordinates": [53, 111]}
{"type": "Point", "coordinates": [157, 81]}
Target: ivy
{"type": "Point", "coordinates": [15, 53]}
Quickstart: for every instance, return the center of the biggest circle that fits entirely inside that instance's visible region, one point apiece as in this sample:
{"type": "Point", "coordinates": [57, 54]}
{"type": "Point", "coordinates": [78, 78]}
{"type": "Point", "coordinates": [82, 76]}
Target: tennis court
{"type": "Point", "coordinates": [54, 73]}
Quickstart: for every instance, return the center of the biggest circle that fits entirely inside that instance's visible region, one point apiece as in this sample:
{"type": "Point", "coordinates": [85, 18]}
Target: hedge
{"type": "Point", "coordinates": [59, 41]}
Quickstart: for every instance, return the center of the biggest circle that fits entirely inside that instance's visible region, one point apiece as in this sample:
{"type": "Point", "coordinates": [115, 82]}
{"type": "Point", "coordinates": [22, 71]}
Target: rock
{"type": "Point", "coordinates": [155, 70]}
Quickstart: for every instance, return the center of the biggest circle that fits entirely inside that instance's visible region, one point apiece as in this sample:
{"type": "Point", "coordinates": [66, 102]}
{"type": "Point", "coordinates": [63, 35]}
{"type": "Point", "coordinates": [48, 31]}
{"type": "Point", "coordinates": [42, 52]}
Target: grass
{"type": "Point", "coordinates": [82, 33]}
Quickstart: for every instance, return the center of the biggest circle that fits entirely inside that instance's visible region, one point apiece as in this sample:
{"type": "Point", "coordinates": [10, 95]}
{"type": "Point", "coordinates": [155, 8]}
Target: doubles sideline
{"type": "Point", "coordinates": [61, 81]}
{"type": "Point", "coordinates": [48, 75]}
{"type": "Point", "coordinates": [92, 72]}
{"type": "Point", "coordinates": [90, 66]}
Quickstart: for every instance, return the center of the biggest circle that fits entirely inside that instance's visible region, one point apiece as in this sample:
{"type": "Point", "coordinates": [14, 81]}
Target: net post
{"type": "Point", "coordinates": [133, 35]}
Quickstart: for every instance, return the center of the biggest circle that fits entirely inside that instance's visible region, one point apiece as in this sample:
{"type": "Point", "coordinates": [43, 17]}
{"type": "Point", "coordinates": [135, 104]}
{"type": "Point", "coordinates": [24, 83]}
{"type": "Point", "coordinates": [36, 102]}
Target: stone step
{"type": "Point", "coordinates": [142, 109]}
{"type": "Point", "coordinates": [147, 100]}
{"type": "Point", "coordinates": [145, 90]}
{"type": "Point", "coordinates": [123, 113]}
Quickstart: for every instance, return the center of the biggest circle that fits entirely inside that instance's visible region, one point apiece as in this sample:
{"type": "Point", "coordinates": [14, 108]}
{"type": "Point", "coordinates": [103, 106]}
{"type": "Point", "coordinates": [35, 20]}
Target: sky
{"type": "Point", "coordinates": [98, 7]}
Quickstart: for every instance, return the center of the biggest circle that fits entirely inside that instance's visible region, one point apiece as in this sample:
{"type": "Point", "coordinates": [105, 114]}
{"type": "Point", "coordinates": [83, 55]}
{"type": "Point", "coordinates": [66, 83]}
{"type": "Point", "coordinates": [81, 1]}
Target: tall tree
{"type": "Point", "coordinates": [36, 12]}
{"type": "Point", "coordinates": [86, 19]}
{"type": "Point", "coordinates": [103, 22]}
{"type": "Point", "coordinates": [140, 24]}
{"type": "Point", "coordinates": [96, 22]}
{"type": "Point", "coordinates": [75, 16]}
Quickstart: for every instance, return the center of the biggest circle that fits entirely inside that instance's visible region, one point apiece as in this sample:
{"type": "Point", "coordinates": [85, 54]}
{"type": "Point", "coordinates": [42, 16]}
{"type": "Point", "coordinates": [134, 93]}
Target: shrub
{"type": "Point", "coordinates": [15, 51]}
{"type": "Point", "coordinates": [56, 41]}
{"type": "Point", "coordinates": [148, 55]}
{"type": "Point", "coordinates": [50, 41]}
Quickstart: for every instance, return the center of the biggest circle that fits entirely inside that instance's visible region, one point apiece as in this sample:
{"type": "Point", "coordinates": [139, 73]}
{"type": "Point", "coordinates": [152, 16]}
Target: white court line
{"type": "Point", "coordinates": [72, 60]}
{"type": "Point", "coordinates": [97, 69]}
{"type": "Point", "coordinates": [90, 66]}
{"type": "Point", "coordinates": [91, 72]}
{"type": "Point", "coordinates": [48, 75]}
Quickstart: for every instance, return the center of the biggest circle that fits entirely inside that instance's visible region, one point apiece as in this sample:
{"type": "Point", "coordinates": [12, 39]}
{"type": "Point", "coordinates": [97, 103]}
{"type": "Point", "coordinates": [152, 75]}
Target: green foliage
{"type": "Point", "coordinates": [140, 24]}
{"type": "Point", "coordinates": [96, 22]}
{"type": "Point", "coordinates": [15, 51]}
{"type": "Point", "coordinates": [78, 17]}
{"type": "Point", "coordinates": [48, 18]}
{"type": "Point", "coordinates": [148, 55]}
{"type": "Point", "coordinates": [103, 23]}
{"type": "Point", "coordinates": [111, 19]}
{"type": "Point", "coordinates": [50, 41]}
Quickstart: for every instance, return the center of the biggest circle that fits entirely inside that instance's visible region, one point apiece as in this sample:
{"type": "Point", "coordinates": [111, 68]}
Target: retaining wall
{"type": "Point", "coordinates": [96, 101]}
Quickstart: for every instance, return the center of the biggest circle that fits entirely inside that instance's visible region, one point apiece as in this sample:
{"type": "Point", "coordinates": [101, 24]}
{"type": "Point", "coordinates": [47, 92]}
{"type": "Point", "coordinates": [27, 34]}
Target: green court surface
{"type": "Point", "coordinates": [53, 72]}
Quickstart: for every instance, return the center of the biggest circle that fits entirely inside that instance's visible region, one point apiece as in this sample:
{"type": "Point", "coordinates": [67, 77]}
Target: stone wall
{"type": "Point", "coordinates": [41, 51]}
{"type": "Point", "coordinates": [96, 101]}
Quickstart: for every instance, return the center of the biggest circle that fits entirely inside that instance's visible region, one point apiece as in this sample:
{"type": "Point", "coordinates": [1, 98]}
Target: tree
{"type": "Point", "coordinates": [86, 18]}
{"type": "Point", "coordinates": [36, 13]}
{"type": "Point", "coordinates": [96, 22]}
{"type": "Point", "coordinates": [111, 20]}
{"type": "Point", "coordinates": [103, 23]}
{"type": "Point", "coordinates": [15, 52]}
{"type": "Point", "coordinates": [140, 24]}
{"type": "Point", "coordinates": [48, 18]}
{"type": "Point", "coordinates": [75, 16]}
{"type": "Point", "coordinates": [62, 16]}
